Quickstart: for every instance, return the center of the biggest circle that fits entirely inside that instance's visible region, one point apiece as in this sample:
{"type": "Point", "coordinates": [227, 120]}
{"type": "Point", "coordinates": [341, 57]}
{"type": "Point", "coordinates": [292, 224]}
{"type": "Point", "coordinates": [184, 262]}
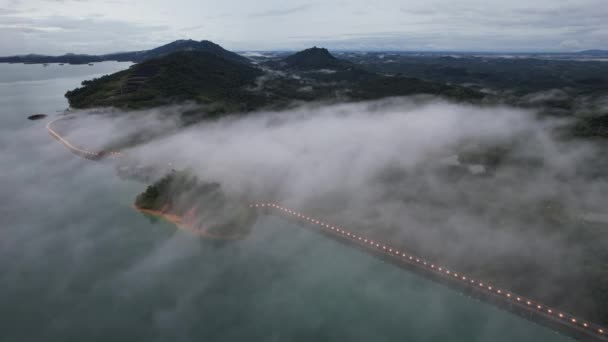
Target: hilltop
{"type": "Point", "coordinates": [185, 45]}
{"type": "Point", "coordinates": [315, 58]}
{"type": "Point", "coordinates": [131, 56]}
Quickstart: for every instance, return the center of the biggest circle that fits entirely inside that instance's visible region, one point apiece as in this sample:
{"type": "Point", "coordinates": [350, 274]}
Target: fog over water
{"type": "Point", "coordinates": [449, 179]}
{"type": "Point", "coordinates": [78, 263]}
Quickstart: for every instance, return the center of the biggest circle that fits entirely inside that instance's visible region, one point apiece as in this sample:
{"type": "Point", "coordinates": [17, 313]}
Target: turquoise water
{"type": "Point", "coordinates": [78, 264]}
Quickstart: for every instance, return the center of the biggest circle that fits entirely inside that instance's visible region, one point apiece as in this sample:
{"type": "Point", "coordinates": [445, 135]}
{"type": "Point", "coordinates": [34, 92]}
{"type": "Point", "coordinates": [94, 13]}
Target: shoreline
{"type": "Point", "coordinates": [178, 222]}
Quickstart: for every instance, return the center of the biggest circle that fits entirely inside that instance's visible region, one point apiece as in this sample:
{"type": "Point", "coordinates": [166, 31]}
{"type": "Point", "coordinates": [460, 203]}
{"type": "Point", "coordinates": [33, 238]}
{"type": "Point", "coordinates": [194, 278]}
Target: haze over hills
{"type": "Point", "coordinates": [594, 52]}
{"type": "Point", "coordinates": [131, 56]}
{"type": "Point", "coordinates": [311, 57]}
{"type": "Point", "coordinates": [213, 76]}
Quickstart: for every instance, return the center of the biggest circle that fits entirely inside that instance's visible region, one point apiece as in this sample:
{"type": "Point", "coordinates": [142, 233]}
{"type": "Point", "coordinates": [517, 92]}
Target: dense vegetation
{"type": "Point", "coordinates": [519, 75]}
{"type": "Point", "coordinates": [230, 86]}
{"type": "Point", "coordinates": [557, 87]}
{"type": "Point", "coordinates": [592, 127]}
{"type": "Point", "coordinates": [194, 75]}
{"type": "Point", "coordinates": [187, 45]}
{"type": "Point", "coordinates": [201, 205]}
{"type": "Point", "coordinates": [166, 192]}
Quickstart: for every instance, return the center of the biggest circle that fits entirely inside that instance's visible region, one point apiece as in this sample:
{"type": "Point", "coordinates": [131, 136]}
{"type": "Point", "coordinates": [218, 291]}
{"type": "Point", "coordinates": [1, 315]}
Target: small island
{"type": "Point", "coordinates": [200, 207]}
{"type": "Point", "coordinates": [37, 117]}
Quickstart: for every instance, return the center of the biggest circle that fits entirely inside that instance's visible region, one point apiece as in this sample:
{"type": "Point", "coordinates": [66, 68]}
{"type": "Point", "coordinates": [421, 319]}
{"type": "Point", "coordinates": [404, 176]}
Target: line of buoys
{"type": "Point", "coordinates": [505, 295]}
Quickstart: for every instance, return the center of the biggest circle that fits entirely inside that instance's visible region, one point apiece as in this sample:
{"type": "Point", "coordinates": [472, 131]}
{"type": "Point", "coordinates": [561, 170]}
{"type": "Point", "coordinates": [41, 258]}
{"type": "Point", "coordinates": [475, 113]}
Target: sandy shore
{"type": "Point", "coordinates": [178, 221]}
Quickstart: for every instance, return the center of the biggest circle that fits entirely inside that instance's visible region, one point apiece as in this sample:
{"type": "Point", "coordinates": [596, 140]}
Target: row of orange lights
{"type": "Point", "coordinates": [395, 252]}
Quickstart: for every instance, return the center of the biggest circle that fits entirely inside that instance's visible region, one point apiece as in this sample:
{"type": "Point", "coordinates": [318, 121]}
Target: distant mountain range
{"type": "Point", "coordinates": [132, 56]}
{"type": "Point", "coordinates": [309, 58]}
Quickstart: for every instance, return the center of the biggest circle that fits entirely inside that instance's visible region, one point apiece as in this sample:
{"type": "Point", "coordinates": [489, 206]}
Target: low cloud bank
{"type": "Point", "coordinates": [481, 189]}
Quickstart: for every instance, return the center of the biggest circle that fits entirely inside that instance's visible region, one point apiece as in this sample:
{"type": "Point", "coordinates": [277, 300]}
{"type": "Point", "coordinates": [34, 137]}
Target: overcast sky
{"type": "Point", "coordinates": [99, 26]}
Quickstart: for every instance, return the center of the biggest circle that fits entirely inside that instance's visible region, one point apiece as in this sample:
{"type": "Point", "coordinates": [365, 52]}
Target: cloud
{"type": "Point", "coordinates": [194, 28]}
{"type": "Point", "coordinates": [282, 12]}
{"type": "Point", "coordinates": [25, 28]}
{"type": "Point", "coordinates": [388, 25]}
{"type": "Point", "coordinates": [348, 150]}
{"type": "Point", "coordinates": [60, 34]}
{"type": "Point", "coordinates": [405, 170]}
{"type": "Point", "coordinates": [571, 44]}
{"type": "Point", "coordinates": [381, 168]}
{"type": "Point", "coordinates": [7, 11]}
{"type": "Point", "coordinates": [64, 1]}
{"type": "Point", "coordinates": [467, 186]}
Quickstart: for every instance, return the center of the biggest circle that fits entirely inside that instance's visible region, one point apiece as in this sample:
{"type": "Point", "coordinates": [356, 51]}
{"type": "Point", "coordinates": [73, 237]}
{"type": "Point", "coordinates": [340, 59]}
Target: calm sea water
{"type": "Point", "coordinates": [78, 264]}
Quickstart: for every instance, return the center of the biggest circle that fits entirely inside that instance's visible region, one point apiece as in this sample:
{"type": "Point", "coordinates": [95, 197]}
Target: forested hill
{"type": "Point", "coordinates": [191, 75]}
{"type": "Point", "coordinates": [315, 58]}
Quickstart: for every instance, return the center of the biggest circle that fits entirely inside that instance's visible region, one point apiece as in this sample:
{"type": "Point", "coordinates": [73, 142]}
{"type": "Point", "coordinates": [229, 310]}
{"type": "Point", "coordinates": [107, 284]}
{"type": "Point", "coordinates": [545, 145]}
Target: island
{"type": "Point", "coordinates": [199, 207]}
{"type": "Point", "coordinates": [36, 116]}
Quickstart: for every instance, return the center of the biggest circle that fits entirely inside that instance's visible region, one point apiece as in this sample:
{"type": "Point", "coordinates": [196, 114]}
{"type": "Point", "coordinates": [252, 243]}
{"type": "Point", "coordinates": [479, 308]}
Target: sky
{"type": "Point", "coordinates": [103, 26]}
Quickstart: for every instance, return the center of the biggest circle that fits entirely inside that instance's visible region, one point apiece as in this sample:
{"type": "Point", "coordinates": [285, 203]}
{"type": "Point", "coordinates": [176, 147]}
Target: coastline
{"type": "Point", "coordinates": [178, 222]}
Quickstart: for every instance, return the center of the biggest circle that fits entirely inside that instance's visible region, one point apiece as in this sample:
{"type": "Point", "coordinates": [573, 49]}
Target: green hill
{"type": "Point", "coordinates": [187, 45]}
{"type": "Point", "coordinates": [315, 58]}
{"type": "Point", "coordinates": [182, 76]}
